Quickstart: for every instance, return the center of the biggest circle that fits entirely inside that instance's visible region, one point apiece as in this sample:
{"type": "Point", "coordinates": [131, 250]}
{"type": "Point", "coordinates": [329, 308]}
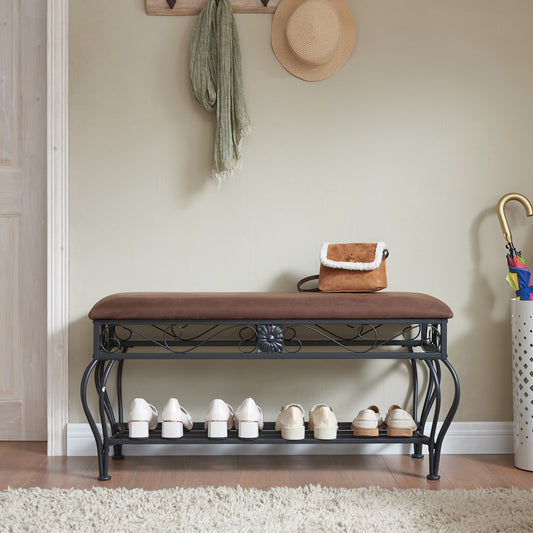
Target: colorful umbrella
{"type": "Point", "coordinates": [519, 276]}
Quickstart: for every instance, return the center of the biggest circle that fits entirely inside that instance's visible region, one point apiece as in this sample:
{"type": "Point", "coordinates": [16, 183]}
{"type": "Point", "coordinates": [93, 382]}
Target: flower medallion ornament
{"type": "Point", "coordinates": [270, 338]}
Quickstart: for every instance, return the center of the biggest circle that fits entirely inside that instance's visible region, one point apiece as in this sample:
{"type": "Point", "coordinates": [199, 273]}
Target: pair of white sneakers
{"type": "Point", "coordinates": [247, 419]}
{"type": "Point", "coordinates": [399, 423]}
{"type": "Point", "coordinates": [142, 417]}
{"type": "Point", "coordinates": [322, 422]}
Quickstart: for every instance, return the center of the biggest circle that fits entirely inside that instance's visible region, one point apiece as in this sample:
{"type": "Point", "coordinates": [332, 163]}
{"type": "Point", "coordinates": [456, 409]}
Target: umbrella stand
{"type": "Point", "coordinates": [522, 350]}
{"type": "Point", "coordinates": [522, 371]}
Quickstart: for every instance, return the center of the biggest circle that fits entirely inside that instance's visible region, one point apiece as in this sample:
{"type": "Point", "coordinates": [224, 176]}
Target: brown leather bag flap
{"type": "Point", "coordinates": [353, 256]}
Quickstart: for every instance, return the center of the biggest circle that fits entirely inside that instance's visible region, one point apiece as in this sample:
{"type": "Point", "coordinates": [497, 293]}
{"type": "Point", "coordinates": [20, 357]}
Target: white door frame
{"type": "Point", "coordinates": [57, 226]}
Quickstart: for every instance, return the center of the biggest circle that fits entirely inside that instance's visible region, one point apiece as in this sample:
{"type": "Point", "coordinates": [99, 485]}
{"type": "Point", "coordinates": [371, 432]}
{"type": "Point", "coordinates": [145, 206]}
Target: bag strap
{"type": "Point", "coordinates": [305, 280]}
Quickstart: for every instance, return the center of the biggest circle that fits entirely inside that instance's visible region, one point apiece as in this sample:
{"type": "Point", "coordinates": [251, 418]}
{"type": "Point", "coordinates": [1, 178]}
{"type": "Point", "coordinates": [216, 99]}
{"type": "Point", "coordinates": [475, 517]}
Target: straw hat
{"type": "Point", "coordinates": [313, 39]}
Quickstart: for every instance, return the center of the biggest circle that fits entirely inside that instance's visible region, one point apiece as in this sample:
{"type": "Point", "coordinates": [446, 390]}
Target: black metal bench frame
{"type": "Point", "coordinates": [417, 341]}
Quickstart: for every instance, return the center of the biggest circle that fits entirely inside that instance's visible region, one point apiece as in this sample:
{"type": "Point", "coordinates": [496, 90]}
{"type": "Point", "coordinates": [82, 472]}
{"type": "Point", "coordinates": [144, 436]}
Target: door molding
{"type": "Point", "coordinates": [57, 226]}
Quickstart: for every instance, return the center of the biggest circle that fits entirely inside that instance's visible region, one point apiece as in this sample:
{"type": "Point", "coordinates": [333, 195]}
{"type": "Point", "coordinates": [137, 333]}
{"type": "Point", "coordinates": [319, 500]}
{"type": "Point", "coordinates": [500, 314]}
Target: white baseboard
{"type": "Point", "coordinates": [461, 438]}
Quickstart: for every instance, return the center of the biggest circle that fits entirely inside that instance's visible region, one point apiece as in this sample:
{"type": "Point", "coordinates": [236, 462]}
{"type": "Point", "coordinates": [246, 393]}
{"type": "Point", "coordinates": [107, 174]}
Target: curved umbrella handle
{"type": "Point", "coordinates": [501, 213]}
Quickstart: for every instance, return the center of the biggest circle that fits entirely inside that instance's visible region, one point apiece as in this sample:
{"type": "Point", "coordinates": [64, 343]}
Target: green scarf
{"type": "Point", "coordinates": [216, 79]}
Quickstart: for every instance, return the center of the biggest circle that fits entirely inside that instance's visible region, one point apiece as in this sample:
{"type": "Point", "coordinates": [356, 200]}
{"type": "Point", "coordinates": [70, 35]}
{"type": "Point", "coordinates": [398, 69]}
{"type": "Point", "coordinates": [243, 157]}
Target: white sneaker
{"type": "Point", "coordinates": [399, 422]}
{"type": "Point", "coordinates": [367, 422]}
{"type": "Point", "coordinates": [323, 422]}
{"type": "Point", "coordinates": [219, 419]}
{"type": "Point", "coordinates": [248, 419]}
{"type": "Point", "coordinates": [142, 416]}
{"type": "Point", "coordinates": [291, 422]}
{"type": "Point", "coordinates": [174, 419]}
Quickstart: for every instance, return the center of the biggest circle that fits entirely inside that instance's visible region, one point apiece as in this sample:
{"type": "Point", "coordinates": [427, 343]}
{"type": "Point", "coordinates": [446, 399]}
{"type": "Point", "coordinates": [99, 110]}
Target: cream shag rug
{"type": "Point", "coordinates": [305, 509]}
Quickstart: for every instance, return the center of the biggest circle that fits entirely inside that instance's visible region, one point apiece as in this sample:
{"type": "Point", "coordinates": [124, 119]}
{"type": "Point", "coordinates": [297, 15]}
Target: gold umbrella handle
{"type": "Point", "coordinates": [501, 212]}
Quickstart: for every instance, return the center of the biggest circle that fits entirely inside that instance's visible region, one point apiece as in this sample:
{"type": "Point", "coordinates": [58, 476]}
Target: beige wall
{"type": "Point", "coordinates": [413, 142]}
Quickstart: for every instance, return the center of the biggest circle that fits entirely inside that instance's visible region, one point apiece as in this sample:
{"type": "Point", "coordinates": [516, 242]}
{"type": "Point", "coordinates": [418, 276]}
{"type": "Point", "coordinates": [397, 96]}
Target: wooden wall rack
{"type": "Point", "coordinates": [193, 7]}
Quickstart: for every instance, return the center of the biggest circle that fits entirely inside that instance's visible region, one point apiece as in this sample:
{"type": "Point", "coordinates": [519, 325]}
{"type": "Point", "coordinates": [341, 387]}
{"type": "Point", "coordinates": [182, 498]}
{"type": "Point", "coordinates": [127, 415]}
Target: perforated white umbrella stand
{"type": "Point", "coordinates": [522, 335]}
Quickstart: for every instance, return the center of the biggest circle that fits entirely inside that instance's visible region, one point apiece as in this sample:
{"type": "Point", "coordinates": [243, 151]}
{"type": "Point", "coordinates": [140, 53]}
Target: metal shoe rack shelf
{"type": "Point", "coordinates": [418, 342]}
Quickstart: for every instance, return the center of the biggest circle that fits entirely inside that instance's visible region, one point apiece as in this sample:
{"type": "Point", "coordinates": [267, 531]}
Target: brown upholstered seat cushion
{"type": "Point", "coordinates": [267, 306]}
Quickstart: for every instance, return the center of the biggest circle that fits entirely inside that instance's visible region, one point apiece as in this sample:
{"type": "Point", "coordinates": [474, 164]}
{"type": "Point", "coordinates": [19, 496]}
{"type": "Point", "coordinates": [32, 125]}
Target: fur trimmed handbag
{"type": "Point", "coordinates": [355, 267]}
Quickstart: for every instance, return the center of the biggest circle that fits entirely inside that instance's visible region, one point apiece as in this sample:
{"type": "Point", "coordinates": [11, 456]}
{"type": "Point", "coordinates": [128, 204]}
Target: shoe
{"type": "Point", "coordinates": [174, 419]}
{"type": "Point", "coordinates": [367, 422]}
{"type": "Point", "coordinates": [290, 422]}
{"type": "Point", "coordinates": [219, 419]}
{"type": "Point", "coordinates": [323, 422]}
{"type": "Point", "coordinates": [248, 419]}
{"type": "Point", "coordinates": [399, 422]}
{"type": "Point", "coordinates": [142, 416]}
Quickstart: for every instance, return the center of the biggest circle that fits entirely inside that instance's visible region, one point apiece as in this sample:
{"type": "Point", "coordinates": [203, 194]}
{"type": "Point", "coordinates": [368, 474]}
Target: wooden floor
{"type": "Point", "coordinates": [25, 464]}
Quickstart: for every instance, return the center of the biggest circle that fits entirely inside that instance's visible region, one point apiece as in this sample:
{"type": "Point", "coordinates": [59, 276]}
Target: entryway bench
{"type": "Point", "coordinates": [274, 325]}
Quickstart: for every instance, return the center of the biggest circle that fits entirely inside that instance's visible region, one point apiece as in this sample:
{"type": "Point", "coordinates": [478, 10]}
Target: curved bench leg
{"type": "Point", "coordinates": [435, 399]}
{"type": "Point", "coordinates": [417, 448]}
{"type": "Point", "coordinates": [429, 400]}
{"type": "Point", "coordinates": [117, 449]}
{"type": "Point", "coordinates": [447, 420]}
{"type": "Point", "coordinates": [100, 450]}
{"type": "Point", "coordinates": [105, 409]}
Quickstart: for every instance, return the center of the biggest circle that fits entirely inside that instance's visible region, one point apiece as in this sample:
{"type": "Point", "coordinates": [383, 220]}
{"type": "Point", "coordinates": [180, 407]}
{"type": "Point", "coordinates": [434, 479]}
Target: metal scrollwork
{"type": "Point", "coordinates": [292, 343]}
{"type": "Point", "coordinates": [366, 335]}
{"type": "Point", "coordinates": [370, 335]}
{"type": "Point", "coordinates": [428, 336]}
{"type": "Point", "coordinates": [175, 332]}
{"type": "Point", "coordinates": [248, 339]}
{"type": "Point", "coordinates": [112, 339]}
{"type": "Point", "coordinates": [431, 340]}
{"type": "Point", "coordinates": [268, 338]}
{"type": "Point", "coordinates": [171, 332]}
{"type": "Point", "coordinates": [354, 332]}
